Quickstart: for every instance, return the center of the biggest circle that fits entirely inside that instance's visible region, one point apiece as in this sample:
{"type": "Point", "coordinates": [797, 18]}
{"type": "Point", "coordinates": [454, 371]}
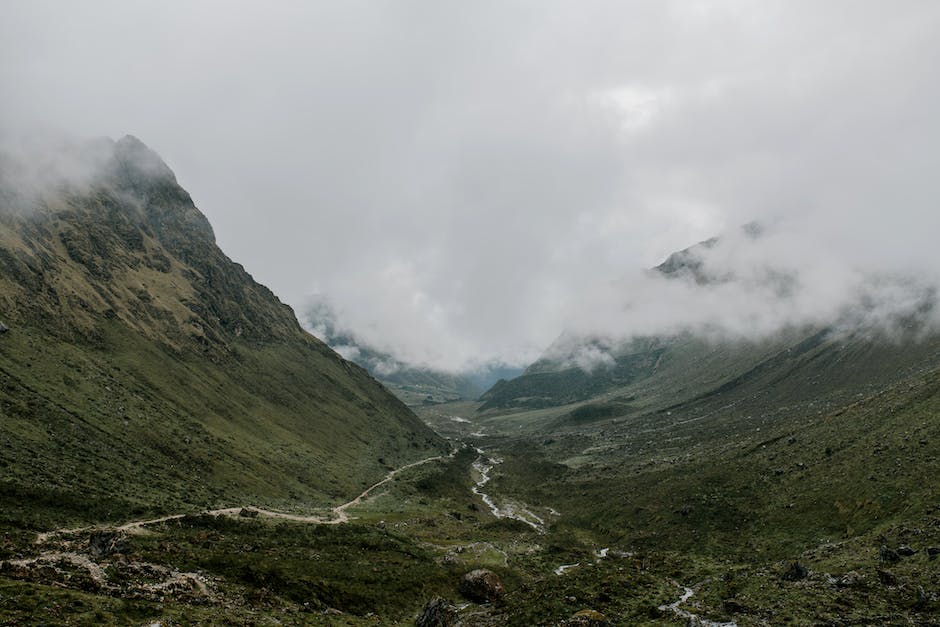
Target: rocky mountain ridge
{"type": "Point", "coordinates": [144, 369]}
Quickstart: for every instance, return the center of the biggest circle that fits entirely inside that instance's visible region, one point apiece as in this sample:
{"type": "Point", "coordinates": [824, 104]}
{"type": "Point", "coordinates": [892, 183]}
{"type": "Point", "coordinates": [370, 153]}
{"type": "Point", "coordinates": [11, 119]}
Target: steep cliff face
{"type": "Point", "coordinates": [144, 369]}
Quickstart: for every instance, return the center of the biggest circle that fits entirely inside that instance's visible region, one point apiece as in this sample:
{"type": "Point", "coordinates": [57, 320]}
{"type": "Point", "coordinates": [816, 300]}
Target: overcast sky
{"type": "Point", "coordinates": [464, 180]}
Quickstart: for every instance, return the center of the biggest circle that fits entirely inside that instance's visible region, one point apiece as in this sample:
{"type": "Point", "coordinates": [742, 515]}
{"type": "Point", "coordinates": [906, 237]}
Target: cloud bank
{"type": "Point", "coordinates": [464, 182]}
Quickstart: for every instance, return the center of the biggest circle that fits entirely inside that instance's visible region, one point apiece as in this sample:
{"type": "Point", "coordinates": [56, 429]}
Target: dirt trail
{"type": "Point", "coordinates": [337, 516]}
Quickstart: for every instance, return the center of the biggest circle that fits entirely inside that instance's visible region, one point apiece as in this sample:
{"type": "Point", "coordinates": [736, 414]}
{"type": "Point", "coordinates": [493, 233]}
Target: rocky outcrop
{"type": "Point", "coordinates": [437, 612]}
{"type": "Point", "coordinates": [482, 586]}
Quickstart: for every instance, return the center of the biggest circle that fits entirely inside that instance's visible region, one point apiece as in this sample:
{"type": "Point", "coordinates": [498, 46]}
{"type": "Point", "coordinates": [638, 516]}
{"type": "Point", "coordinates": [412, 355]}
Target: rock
{"type": "Point", "coordinates": [734, 606]}
{"type": "Point", "coordinates": [906, 550]}
{"type": "Point", "coordinates": [588, 617]}
{"type": "Point", "coordinates": [105, 542]}
{"type": "Point", "coordinates": [449, 560]}
{"type": "Point", "coordinates": [848, 580]}
{"type": "Point", "coordinates": [795, 572]}
{"type": "Point", "coordinates": [887, 578]}
{"type": "Point", "coordinates": [888, 555]}
{"type": "Point", "coordinates": [933, 552]}
{"type": "Point", "coordinates": [248, 513]}
{"type": "Point", "coordinates": [482, 586]}
{"type": "Point", "coordinates": [4, 328]}
{"type": "Point", "coordinates": [437, 613]}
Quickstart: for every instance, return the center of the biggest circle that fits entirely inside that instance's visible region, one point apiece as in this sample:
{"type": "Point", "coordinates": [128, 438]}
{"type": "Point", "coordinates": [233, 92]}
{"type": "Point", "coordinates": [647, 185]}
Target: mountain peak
{"type": "Point", "coordinates": [137, 160]}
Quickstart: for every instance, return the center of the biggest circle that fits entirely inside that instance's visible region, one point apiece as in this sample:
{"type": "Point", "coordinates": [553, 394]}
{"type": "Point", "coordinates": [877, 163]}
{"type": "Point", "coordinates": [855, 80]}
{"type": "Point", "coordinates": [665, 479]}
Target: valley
{"type": "Point", "coordinates": [176, 449]}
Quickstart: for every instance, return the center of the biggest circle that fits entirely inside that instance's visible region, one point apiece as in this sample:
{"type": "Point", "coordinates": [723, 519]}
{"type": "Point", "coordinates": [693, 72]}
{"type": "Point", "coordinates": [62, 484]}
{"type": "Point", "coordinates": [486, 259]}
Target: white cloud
{"type": "Point", "coordinates": [458, 178]}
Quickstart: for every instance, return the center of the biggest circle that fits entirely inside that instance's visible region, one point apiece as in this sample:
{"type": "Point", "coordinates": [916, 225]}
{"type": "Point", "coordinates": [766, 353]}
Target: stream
{"type": "Point", "coordinates": [484, 466]}
{"type": "Point", "coordinates": [692, 619]}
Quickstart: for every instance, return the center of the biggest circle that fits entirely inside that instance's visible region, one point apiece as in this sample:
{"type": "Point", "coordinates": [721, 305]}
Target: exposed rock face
{"type": "Point", "coordinates": [437, 613]}
{"type": "Point", "coordinates": [482, 586]}
{"type": "Point", "coordinates": [113, 279]}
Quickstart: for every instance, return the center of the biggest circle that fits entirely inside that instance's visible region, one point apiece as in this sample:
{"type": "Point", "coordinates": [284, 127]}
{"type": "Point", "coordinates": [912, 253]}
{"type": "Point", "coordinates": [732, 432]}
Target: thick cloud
{"type": "Point", "coordinates": [464, 180]}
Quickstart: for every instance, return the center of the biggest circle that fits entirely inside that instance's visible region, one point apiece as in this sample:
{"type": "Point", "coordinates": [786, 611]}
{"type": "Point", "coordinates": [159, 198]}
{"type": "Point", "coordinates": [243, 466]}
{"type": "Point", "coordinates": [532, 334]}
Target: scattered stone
{"type": "Point", "coordinates": [106, 542]}
{"type": "Point", "coordinates": [588, 618]}
{"type": "Point", "coordinates": [888, 555]}
{"type": "Point", "coordinates": [571, 599]}
{"type": "Point", "coordinates": [887, 578]}
{"type": "Point", "coordinates": [906, 550]}
{"type": "Point", "coordinates": [849, 579]}
{"type": "Point", "coordinates": [4, 328]}
{"type": "Point", "coordinates": [437, 612]}
{"type": "Point", "coordinates": [449, 560]}
{"type": "Point", "coordinates": [482, 586]}
{"type": "Point", "coordinates": [795, 572]}
{"type": "Point", "coordinates": [248, 513]}
{"type": "Point", "coordinates": [933, 552]}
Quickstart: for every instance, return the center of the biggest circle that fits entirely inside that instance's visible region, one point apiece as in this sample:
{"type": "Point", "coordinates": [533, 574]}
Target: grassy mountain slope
{"type": "Point", "coordinates": [144, 370]}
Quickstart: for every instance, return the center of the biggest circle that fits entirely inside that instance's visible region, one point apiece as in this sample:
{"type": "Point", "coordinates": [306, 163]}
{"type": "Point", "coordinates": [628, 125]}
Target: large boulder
{"type": "Point", "coordinates": [482, 586]}
{"type": "Point", "coordinates": [437, 613]}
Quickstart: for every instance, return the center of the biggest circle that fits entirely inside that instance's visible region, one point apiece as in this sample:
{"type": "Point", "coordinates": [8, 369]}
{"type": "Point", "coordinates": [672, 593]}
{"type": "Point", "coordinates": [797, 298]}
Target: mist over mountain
{"type": "Point", "coordinates": [415, 384]}
{"type": "Point", "coordinates": [142, 368]}
{"type": "Point", "coordinates": [465, 185]}
{"type": "Point", "coordinates": [752, 284]}
{"type": "Point", "coordinates": [727, 295]}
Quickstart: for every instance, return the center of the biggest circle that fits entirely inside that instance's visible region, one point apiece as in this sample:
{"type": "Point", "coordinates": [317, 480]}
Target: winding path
{"type": "Point", "coordinates": [338, 514]}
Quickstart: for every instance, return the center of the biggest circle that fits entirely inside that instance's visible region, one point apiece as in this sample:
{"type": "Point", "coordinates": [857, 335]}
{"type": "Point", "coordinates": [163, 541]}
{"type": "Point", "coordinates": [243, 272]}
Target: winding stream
{"type": "Point", "coordinates": [484, 466]}
{"type": "Point", "coordinates": [692, 619]}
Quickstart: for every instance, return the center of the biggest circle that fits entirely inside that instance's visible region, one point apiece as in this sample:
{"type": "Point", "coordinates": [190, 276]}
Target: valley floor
{"type": "Point", "coordinates": [650, 519]}
{"type": "Point", "coordinates": [414, 534]}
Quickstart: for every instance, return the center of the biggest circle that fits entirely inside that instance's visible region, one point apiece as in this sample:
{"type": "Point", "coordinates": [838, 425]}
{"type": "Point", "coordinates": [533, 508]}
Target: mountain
{"type": "Point", "coordinates": [414, 385]}
{"type": "Point", "coordinates": [788, 479]}
{"type": "Point", "coordinates": [642, 371]}
{"type": "Point", "coordinates": [143, 370]}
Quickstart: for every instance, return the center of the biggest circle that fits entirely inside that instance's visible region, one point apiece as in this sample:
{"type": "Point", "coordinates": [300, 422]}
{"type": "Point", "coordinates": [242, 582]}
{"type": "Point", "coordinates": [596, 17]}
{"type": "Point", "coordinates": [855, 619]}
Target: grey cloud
{"type": "Point", "coordinates": [463, 181]}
